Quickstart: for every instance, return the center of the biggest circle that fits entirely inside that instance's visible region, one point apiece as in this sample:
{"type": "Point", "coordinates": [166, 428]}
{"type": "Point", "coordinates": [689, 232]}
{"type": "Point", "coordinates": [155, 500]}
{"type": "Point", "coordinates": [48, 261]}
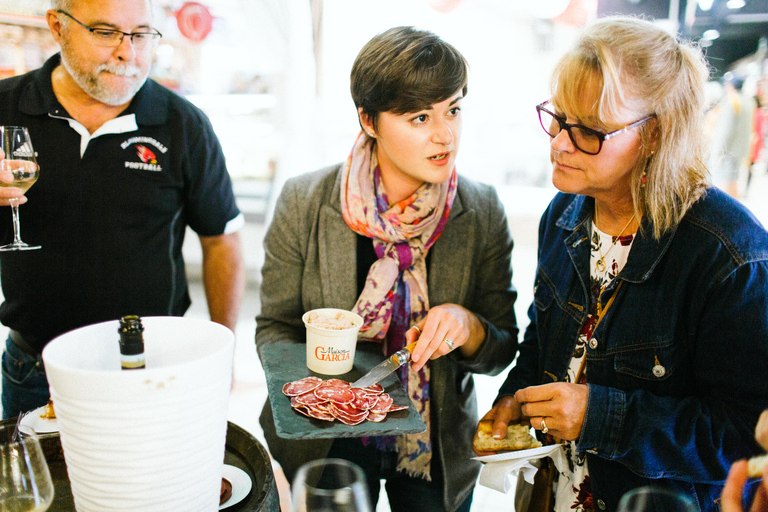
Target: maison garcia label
{"type": "Point", "coordinates": [331, 354]}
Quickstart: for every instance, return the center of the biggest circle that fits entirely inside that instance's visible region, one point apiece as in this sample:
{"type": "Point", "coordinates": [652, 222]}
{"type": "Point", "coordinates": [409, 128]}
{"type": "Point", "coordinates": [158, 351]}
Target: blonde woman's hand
{"type": "Point", "coordinates": [557, 408]}
{"type": "Point", "coordinates": [446, 328]}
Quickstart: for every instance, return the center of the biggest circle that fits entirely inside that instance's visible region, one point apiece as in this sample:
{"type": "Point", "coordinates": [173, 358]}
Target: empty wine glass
{"type": "Point", "coordinates": [330, 485]}
{"type": "Point", "coordinates": [25, 481]}
{"type": "Point", "coordinates": [20, 163]}
{"type": "Point", "coordinates": [652, 499]}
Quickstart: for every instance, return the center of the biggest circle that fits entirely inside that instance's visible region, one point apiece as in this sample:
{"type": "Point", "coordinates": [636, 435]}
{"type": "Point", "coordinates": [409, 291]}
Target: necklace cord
{"type": "Point", "coordinates": [600, 264]}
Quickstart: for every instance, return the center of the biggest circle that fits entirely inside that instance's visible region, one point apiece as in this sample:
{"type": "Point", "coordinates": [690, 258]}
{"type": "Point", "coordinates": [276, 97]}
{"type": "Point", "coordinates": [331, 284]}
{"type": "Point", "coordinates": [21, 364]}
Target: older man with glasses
{"type": "Point", "coordinates": [125, 167]}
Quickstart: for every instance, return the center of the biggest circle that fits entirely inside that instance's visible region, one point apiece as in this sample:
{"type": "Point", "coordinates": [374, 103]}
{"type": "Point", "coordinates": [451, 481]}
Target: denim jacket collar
{"type": "Point", "coordinates": [646, 251]}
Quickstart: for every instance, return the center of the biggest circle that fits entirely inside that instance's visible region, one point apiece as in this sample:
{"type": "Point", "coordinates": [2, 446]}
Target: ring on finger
{"type": "Point", "coordinates": [544, 428]}
{"type": "Point", "coordinates": [417, 328]}
{"type": "Point", "coordinates": [449, 343]}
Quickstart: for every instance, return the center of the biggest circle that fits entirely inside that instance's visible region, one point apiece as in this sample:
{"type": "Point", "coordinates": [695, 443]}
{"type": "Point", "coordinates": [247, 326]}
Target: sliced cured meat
{"type": "Point", "coordinates": [334, 393]}
{"type": "Point", "coordinates": [352, 422]}
{"type": "Point", "coordinates": [348, 409]}
{"type": "Point", "coordinates": [299, 387]}
{"type": "Point", "coordinates": [363, 400]}
{"type": "Point", "coordinates": [307, 399]}
{"type": "Point", "coordinates": [335, 399]}
{"type": "Point", "coordinates": [376, 417]}
{"type": "Point", "coordinates": [314, 412]}
{"type": "Point", "coordinates": [383, 405]}
{"type": "Point", "coordinates": [374, 389]}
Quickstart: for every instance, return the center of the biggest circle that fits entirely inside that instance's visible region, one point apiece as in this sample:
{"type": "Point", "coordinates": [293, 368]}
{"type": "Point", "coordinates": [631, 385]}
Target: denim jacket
{"type": "Point", "coordinates": [677, 369]}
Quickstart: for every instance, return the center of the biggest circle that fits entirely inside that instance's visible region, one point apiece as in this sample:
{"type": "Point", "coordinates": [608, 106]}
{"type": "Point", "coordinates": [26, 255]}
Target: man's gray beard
{"type": "Point", "coordinates": [98, 90]}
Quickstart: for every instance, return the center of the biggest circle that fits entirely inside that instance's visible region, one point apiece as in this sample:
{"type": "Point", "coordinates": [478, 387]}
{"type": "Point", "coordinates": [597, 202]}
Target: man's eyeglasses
{"type": "Point", "coordinates": [114, 38]}
{"type": "Point", "coordinates": [585, 139]}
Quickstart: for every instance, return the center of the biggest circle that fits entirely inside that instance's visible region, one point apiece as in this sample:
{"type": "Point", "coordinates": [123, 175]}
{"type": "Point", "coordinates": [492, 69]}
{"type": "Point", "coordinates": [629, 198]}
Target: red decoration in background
{"type": "Point", "coordinates": [195, 21]}
{"type": "Point", "coordinates": [443, 6]}
{"type": "Point", "coordinates": [578, 13]}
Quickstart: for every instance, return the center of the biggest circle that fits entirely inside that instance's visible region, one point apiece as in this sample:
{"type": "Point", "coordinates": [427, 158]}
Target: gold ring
{"type": "Point", "coordinates": [544, 428]}
{"type": "Point", "coordinates": [449, 343]}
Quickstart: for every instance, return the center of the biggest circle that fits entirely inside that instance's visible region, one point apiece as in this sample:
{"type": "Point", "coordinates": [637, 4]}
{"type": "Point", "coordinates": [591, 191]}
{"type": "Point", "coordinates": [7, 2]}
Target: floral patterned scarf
{"type": "Point", "coordinates": [395, 293]}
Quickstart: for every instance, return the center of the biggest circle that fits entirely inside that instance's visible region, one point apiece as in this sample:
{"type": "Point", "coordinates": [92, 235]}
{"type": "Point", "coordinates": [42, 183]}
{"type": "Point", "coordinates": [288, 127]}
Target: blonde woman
{"type": "Point", "coordinates": [648, 342]}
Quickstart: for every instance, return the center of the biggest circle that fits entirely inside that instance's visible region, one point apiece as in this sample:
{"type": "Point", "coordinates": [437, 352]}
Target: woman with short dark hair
{"type": "Point", "coordinates": [421, 253]}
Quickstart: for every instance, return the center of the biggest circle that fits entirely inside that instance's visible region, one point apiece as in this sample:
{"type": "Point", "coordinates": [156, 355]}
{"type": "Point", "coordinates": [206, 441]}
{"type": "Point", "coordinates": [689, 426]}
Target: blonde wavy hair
{"type": "Point", "coordinates": [630, 62]}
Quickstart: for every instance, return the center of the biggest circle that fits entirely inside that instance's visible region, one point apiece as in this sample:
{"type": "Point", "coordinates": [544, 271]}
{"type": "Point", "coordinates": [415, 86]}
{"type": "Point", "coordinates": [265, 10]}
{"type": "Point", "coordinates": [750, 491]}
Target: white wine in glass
{"type": "Point", "coordinates": [18, 169]}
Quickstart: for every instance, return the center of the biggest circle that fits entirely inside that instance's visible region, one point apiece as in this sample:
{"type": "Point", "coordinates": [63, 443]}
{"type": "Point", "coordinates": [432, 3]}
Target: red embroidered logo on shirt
{"type": "Point", "coordinates": [146, 155]}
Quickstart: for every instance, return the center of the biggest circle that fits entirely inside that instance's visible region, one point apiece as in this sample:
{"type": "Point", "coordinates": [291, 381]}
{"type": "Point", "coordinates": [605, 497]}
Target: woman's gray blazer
{"type": "Point", "coordinates": [311, 262]}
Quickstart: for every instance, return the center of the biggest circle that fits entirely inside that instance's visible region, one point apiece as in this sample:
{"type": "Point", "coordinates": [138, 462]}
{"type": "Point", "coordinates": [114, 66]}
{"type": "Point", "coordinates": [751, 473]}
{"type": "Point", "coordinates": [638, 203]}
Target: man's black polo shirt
{"type": "Point", "coordinates": [112, 221]}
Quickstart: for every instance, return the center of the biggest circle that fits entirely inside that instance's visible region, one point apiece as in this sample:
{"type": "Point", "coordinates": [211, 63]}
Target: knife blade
{"type": "Point", "coordinates": [386, 367]}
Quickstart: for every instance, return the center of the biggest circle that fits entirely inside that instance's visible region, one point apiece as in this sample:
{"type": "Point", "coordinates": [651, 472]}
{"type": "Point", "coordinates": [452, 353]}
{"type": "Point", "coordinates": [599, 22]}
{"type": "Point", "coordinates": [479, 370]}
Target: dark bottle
{"type": "Point", "coordinates": [131, 342]}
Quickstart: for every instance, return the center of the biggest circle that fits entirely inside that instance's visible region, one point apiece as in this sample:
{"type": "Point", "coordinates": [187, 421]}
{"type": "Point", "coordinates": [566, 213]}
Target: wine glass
{"type": "Point", "coordinates": [330, 485]}
{"type": "Point", "coordinates": [20, 162]}
{"type": "Point", "coordinates": [25, 481]}
{"type": "Point", "coordinates": [650, 499]}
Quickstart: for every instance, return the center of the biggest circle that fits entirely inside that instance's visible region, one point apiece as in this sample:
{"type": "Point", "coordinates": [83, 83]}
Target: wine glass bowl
{"type": "Point", "coordinates": [25, 481]}
{"type": "Point", "coordinates": [330, 485]}
{"type": "Point", "coordinates": [18, 169]}
{"type": "Point", "coordinates": [651, 499]}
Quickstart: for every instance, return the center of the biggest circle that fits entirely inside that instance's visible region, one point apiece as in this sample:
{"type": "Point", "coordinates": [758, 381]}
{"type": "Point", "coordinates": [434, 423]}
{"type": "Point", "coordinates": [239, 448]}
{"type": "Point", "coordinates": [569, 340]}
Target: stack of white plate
{"type": "Point", "coordinates": [149, 439]}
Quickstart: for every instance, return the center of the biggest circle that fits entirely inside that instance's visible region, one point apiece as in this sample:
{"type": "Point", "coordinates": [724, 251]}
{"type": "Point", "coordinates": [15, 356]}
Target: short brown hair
{"type": "Point", "coordinates": [406, 70]}
{"type": "Point", "coordinates": [630, 61]}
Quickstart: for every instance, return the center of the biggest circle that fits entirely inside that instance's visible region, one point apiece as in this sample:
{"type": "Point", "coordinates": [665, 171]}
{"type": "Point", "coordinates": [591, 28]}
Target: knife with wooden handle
{"type": "Point", "coordinates": [383, 369]}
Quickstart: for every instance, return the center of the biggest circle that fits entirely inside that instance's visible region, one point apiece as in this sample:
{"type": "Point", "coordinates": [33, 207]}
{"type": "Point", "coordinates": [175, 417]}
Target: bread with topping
{"type": "Point", "coordinates": [518, 438]}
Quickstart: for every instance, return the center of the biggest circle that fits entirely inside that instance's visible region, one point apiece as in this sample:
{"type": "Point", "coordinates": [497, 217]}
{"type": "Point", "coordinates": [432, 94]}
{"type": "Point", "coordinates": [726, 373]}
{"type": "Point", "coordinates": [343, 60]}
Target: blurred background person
{"type": "Point", "coordinates": [758, 159]}
{"type": "Point", "coordinates": [420, 252]}
{"type": "Point", "coordinates": [731, 136]}
{"type": "Point", "coordinates": [651, 293]}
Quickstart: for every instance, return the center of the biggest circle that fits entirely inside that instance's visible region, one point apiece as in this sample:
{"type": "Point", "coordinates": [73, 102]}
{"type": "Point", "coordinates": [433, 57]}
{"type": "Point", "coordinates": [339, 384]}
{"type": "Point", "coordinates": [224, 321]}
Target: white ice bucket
{"type": "Point", "coordinates": [149, 439]}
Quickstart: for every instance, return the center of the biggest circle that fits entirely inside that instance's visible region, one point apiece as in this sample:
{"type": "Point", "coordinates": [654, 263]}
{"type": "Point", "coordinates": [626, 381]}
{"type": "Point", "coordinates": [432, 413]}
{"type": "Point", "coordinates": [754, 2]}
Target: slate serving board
{"type": "Point", "coordinates": [287, 362]}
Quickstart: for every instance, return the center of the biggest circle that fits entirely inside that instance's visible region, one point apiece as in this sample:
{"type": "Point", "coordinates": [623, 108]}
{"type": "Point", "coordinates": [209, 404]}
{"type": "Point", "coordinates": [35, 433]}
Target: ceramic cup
{"type": "Point", "coordinates": [331, 340]}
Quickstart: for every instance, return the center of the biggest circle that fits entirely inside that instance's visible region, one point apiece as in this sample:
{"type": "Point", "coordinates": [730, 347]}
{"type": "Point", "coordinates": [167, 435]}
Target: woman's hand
{"type": "Point", "coordinates": [730, 500]}
{"type": "Point", "coordinates": [560, 407]}
{"type": "Point", "coordinates": [445, 322]}
{"type": "Point", "coordinates": [506, 411]}
{"type": "Point", "coordinates": [761, 430]}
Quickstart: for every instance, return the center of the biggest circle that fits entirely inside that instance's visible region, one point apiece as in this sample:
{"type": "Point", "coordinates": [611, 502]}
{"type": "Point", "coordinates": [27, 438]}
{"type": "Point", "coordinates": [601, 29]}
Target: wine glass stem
{"type": "Point", "coordinates": [16, 225]}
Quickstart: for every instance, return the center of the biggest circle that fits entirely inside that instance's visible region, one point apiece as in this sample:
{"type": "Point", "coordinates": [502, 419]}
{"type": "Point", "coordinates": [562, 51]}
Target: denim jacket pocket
{"type": "Point", "coordinates": [651, 365]}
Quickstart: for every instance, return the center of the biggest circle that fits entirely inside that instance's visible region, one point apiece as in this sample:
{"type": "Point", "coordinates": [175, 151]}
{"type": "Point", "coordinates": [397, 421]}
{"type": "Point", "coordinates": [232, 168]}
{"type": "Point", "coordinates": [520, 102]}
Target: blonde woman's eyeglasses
{"type": "Point", "coordinates": [586, 140]}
